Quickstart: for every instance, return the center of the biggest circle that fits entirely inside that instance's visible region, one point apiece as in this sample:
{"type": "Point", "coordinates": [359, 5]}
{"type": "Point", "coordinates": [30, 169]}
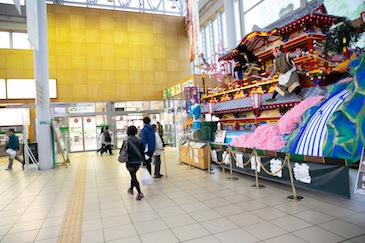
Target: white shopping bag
{"type": "Point", "coordinates": [147, 178]}
{"type": "Point", "coordinates": [11, 152]}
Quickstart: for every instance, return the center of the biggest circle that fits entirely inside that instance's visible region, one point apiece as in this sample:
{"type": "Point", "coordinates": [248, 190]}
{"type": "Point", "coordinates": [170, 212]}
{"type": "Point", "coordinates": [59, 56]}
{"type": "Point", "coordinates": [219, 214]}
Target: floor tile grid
{"type": "Point", "coordinates": [299, 219]}
{"type": "Point", "coordinates": [187, 178]}
{"type": "Point", "coordinates": [197, 205]}
{"type": "Point", "coordinates": [124, 191]}
{"type": "Point", "coordinates": [104, 188]}
{"type": "Point", "coordinates": [34, 192]}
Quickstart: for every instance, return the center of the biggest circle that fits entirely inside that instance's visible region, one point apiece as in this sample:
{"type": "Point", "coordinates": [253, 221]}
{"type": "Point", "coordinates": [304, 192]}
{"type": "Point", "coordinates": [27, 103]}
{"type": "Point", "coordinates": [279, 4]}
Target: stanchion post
{"type": "Point", "coordinates": [257, 185]}
{"type": "Point", "coordinates": [190, 157]}
{"type": "Point", "coordinates": [180, 153]}
{"type": "Point", "coordinates": [210, 160]}
{"type": "Point", "coordinates": [294, 197]}
{"type": "Point", "coordinates": [231, 177]}
{"type": "Point", "coordinates": [164, 160]}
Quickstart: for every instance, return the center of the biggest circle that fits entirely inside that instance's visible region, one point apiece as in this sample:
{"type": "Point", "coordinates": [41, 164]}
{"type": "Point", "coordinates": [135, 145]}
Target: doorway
{"type": "Point", "coordinates": [82, 133]}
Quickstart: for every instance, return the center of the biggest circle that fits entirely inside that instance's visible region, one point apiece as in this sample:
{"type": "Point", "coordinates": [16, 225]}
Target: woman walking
{"type": "Point", "coordinates": [101, 140]}
{"type": "Point", "coordinates": [157, 153]}
{"type": "Point", "coordinates": [135, 158]}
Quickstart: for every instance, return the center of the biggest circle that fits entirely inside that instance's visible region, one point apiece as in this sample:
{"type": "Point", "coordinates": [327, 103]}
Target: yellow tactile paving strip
{"type": "Point", "coordinates": [71, 228]}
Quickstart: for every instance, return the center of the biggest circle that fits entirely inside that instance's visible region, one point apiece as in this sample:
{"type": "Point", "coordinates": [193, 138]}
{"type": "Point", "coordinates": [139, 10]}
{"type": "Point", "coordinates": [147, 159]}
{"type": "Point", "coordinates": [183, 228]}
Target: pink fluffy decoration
{"type": "Point", "coordinates": [268, 136]}
{"type": "Point", "coordinates": [291, 119]}
{"type": "Point", "coordinates": [265, 137]}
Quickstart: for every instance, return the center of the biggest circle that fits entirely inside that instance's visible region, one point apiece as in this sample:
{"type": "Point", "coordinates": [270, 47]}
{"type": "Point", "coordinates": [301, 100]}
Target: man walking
{"type": "Point", "coordinates": [107, 142]}
{"type": "Point", "coordinates": [149, 141]}
{"type": "Point", "coordinates": [12, 148]}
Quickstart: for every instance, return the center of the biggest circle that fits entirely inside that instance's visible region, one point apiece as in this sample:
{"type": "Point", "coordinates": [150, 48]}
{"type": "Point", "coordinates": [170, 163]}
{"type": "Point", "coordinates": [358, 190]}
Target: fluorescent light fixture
{"type": "Point", "coordinates": [2, 89]}
{"type": "Point", "coordinates": [25, 88]}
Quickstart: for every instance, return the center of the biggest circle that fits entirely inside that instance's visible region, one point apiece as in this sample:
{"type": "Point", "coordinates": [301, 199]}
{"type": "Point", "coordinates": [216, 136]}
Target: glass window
{"type": "Point", "coordinates": [203, 40]}
{"type": "Point", "coordinates": [350, 9]}
{"type": "Point", "coordinates": [2, 89]}
{"type": "Point", "coordinates": [237, 17]}
{"type": "Point", "coordinates": [12, 2]}
{"type": "Point", "coordinates": [215, 33]}
{"type": "Point", "coordinates": [247, 5]}
{"type": "Point", "coordinates": [4, 39]}
{"type": "Point", "coordinates": [208, 45]}
{"type": "Point", "coordinates": [100, 106]}
{"type": "Point", "coordinates": [20, 41]}
{"type": "Point", "coordinates": [272, 10]}
{"type": "Point", "coordinates": [59, 110]}
{"type": "Point", "coordinates": [224, 31]}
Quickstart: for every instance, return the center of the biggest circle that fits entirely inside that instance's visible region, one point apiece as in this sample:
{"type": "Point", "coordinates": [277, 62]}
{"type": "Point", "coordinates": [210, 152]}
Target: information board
{"type": "Point", "coordinates": [60, 143]}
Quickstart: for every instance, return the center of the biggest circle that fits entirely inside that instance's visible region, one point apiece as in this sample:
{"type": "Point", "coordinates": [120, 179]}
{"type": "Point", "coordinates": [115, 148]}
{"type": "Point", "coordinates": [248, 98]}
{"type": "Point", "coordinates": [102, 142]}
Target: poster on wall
{"type": "Point", "coordinates": [191, 93]}
{"type": "Point", "coordinates": [360, 181]}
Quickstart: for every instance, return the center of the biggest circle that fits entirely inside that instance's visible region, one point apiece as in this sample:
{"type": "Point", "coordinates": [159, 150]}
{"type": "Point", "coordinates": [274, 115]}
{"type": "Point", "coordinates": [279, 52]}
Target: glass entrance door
{"type": "Point", "coordinates": [90, 139]}
{"type": "Point", "coordinates": [82, 133]}
{"type": "Point", "coordinates": [76, 134]}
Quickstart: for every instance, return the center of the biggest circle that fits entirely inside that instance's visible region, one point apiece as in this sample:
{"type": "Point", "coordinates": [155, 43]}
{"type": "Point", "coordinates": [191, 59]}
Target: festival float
{"type": "Point", "coordinates": [318, 135]}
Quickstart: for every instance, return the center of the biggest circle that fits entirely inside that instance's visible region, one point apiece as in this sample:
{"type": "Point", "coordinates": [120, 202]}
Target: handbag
{"type": "Point", "coordinates": [123, 154]}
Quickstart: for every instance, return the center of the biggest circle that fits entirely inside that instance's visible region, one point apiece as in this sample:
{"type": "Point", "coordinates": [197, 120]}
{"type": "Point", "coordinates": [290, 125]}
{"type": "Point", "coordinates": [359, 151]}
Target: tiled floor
{"type": "Point", "coordinates": [190, 205]}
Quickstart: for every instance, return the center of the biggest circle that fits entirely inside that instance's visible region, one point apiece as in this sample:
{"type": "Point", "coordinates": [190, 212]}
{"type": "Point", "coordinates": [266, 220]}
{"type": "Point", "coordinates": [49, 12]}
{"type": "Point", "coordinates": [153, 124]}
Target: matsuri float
{"type": "Point", "coordinates": [322, 128]}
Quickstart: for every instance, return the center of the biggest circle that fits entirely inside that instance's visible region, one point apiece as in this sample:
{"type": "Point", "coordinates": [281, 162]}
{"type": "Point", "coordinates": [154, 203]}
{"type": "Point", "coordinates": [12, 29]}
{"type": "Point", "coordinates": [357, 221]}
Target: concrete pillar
{"type": "Point", "coordinates": [230, 24]}
{"type": "Point", "coordinates": [43, 103]}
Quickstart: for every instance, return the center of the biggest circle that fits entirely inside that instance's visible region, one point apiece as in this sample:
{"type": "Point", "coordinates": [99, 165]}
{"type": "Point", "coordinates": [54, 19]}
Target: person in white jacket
{"type": "Point", "coordinates": [157, 153]}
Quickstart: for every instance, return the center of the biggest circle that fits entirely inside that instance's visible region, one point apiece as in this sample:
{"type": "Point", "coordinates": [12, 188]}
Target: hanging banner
{"type": "Point", "coordinates": [360, 181]}
{"type": "Point", "coordinates": [192, 26]}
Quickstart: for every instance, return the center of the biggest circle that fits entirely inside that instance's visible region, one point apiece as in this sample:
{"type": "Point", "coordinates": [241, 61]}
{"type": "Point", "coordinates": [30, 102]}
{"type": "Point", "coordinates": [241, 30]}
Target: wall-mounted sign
{"type": "Point", "coordinates": [82, 108]}
{"type": "Point", "coordinates": [172, 91]}
{"type": "Point", "coordinates": [168, 91]}
{"type": "Point", "coordinates": [44, 122]}
{"type": "Point", "coordinates": [187, 84]}
{"type": "Point", "coordinates": [177, 89]}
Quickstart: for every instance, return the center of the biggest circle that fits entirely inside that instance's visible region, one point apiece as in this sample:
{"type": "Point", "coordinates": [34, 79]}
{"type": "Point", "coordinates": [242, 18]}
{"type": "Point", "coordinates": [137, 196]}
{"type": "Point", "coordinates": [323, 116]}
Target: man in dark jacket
{"type": "Point", "coordinates": [149, 143]}
{"type": "Point", "coordinates": [107, 142]}
{"type": "Point", "coordinates": [12, 148]}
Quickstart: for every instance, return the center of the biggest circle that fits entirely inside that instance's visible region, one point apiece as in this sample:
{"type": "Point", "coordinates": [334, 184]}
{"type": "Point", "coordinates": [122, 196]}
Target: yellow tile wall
{"type": "Point", "coordinates": [101, 55]}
